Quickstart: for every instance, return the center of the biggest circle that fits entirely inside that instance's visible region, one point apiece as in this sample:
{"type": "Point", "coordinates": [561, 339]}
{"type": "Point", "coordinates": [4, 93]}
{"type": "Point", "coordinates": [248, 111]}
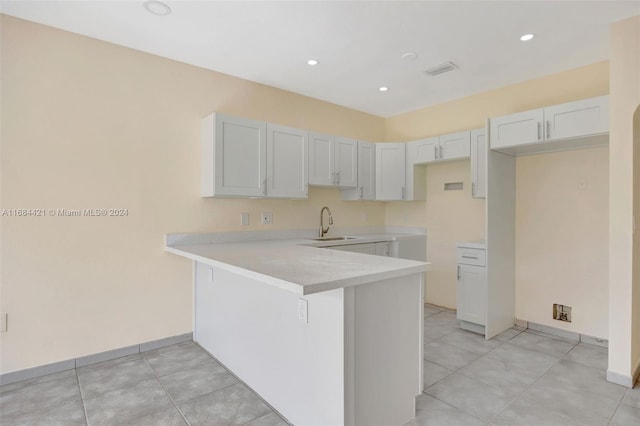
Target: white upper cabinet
{"type": "Point", "coordinates": [423, 151]}
{"type": "Point", "coordinates": [367, 170]}
{"type": "Point", "coordinates": [390, 171]}
{"type": "Point", "coordinates": [366, 174]}
{"type": "Point", "coordinates": [248, 158]}
{"type": "Point", "coordinates": [431, 150]}
{"type": "Point", "coordinates": [333, 161]}
{"type": "Point", "coordinates": [517, 129]}
{"type": "Point", "coordinates": [478, 163]}
{"type": "Point", "coordinates": [346, 162]}
{"type": "Point", "coordinates": [446, 147]}
{"type": "Point", "coordinates": [574, 119]}
{"type": "Point", "coordinates": [454, 146]}
{"type": "Point", "coordinates": [234, 154]}
{"type": "Point", "coordinates": [321, 159]}
{"type": "Point", "coordinates": [562, 127]}
{"type": "Point", "coordinates": [287, 159]}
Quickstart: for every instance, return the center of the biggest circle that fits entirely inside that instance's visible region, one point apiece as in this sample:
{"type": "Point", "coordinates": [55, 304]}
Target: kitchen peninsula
{"type": "Point", "coordinates": [327, 337]}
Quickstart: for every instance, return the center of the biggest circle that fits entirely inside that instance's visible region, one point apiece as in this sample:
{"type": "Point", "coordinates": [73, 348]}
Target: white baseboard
{"type": "Point", "coordinates": [621, 379]}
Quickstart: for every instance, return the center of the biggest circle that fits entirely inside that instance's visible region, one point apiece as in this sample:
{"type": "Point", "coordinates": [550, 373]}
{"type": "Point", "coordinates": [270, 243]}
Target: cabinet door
{"type": "Point", "coordinates": [472, 294]}
{"type": "Point", "coordinates": [233, 156]}
{"type": "Point", "coordinates": [423, 151]}
{"type": "Point", "coordinates": [580, 118]}
{"type": "Point", "coordinates": [204, 326]}
{"type": "Point", "coordinates": [367, 170]}
{"type": "Point", "coordinates": [390, 171]}
{"type": "Point", "coordinates": [287, 159]}
{"type": "Point", "coordinates": [321, 159]}
{"type": "Point", "coordinates": [478, 163]}
{"type": "Point", "coordinates": [382, 249]}
{"type": "Point", "coordinates": [346, 162]}
{"type": "Point", "coordinates": [516, 129]}
{"type": "Point", "coordinates": [454, 145]}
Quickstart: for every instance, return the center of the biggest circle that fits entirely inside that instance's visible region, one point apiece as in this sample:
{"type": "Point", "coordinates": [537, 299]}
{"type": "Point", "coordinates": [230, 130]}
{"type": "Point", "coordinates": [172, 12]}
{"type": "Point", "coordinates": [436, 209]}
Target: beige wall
{"type": "Point", "coordinates": [87, 124]}
{"type": "Point", "coordinates": [458, 217]}
{"type": "Point", "coordinates": [624, 347]}
{"type": "Point", "coordinates": [561, 238]}
{"type": "Point", "coordinates": [106, 126]}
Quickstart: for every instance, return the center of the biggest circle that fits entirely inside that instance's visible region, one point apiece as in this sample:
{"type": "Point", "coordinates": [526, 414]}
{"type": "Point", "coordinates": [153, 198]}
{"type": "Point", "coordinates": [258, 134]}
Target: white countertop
{"type": "Point", "coordinates": [301, 265]}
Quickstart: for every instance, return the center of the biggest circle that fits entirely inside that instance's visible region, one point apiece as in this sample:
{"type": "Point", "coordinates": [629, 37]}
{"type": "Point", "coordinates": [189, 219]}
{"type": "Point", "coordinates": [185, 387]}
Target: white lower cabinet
{"type": "Point", "coordinates": [472, 287]}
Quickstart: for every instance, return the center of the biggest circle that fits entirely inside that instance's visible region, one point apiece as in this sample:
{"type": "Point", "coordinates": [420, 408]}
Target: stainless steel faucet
{"type": "Point", "coordinates": [322, 228]}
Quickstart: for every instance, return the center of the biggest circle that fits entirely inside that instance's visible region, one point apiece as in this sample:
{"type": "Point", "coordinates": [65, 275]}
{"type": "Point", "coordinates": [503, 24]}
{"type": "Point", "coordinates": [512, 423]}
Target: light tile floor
{"type": "Point", "coordinates": [520, 377]}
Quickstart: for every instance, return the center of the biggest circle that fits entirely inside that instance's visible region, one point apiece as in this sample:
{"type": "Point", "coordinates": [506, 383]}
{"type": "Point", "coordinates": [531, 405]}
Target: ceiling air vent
{"type": "Point", "coordinates": [441, 69]}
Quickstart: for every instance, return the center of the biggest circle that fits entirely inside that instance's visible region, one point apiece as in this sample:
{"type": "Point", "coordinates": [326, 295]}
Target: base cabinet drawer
{"type": "Point", "coordinates": [471, 256]}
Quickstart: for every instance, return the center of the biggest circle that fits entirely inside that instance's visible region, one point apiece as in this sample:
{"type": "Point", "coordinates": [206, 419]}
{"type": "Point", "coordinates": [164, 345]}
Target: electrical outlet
{"type": "Point", "coordinates": [561, 312]}
{"type": "Point", "coordinates": [267, 218]}
{"type": "Point", "coordinates": [303, 310]}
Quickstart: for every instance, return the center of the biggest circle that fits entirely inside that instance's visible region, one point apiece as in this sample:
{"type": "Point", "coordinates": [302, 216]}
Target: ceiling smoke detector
{"type": "Point", "coordinates": [441, 69]}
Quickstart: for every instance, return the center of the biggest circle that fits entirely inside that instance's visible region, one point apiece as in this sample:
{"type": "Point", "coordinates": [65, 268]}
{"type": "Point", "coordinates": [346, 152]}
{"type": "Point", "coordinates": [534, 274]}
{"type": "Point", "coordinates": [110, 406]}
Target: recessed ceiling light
{"type": "Point", "coordinates": [409, 56]}
{"type": "Point", "coordinates": [312, 62]}
{"type": "Point", "coordinates": [526, 37]}
{"type": "Point", "coordinates": [383, 88]}
{"type": "Point", "coordinates": [157, 7]}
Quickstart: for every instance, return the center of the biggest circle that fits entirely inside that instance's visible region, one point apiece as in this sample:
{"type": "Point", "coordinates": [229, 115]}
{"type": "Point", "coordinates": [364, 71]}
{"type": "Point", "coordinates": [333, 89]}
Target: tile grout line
{"type": "Point", "coordinates": [155, 376]}
{"type": "Point", "coordinates": [273, 410]}
{"type": "Point", "coordinates": [519, 394]}
{"type": "Point", "coordinates": [467, 377]}
{"type": "Point", "coordinates": [84, 407]}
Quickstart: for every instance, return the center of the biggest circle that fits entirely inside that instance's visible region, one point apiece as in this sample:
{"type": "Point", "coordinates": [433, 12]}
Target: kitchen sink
{"type": "Point", "coordinates": [334, 238]}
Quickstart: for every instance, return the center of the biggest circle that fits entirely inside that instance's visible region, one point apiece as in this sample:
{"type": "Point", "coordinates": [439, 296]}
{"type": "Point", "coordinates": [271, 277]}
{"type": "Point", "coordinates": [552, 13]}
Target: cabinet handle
{"type": "Point", "coordinates": [548, 130]}
{"type": "Point", "coordinates": [441, 156]}
{"type": "Point", "coordinates": [458, 272]}
{"type": "Point", "coordinates": [469, 257]}
{"type": "Point", "coordinates": [306, 189]}
{"type": "Point", "coordinates": [361, 192]}
{"type": "Point", "coordinates": [264, 187]}
{"type": "Point", "coordinates": [539, 130]}
{"type": "Point", "coordinates": [338, 178]}
{"type": "Point", "coordinates": [403, 193]}
{"type": "Point", "coordinates": [435, 152]}
{"type": "Point", "coordinates": [473, 188]}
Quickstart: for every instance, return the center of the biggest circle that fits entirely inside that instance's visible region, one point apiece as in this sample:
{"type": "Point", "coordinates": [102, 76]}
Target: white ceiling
{"type": "Point", "coordinates": [358, 43]}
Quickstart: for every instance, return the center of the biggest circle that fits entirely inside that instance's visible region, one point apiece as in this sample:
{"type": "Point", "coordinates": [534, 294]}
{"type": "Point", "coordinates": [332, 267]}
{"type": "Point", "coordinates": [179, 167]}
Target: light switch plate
{"type": "Point", "coordinates": [244, 218]}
